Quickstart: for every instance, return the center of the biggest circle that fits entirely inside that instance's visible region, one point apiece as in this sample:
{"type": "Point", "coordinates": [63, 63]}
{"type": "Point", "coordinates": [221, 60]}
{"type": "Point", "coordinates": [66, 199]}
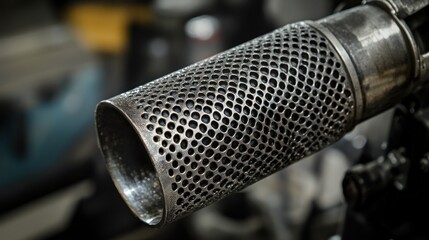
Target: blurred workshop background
{"type": "Point", "coordinates": [58, 58]}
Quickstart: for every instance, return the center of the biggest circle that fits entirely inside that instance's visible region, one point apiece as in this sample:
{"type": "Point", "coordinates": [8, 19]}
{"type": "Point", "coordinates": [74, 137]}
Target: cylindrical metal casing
{"type": "Point", "coordinates": [192, 137]}
{"type": "Point", "coordinates": [380, 53]}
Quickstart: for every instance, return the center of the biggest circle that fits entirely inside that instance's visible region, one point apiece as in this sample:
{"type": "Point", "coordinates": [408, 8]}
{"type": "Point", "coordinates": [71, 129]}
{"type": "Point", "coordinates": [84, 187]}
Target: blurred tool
{"type": "Point", "coordinates": [51, 84]}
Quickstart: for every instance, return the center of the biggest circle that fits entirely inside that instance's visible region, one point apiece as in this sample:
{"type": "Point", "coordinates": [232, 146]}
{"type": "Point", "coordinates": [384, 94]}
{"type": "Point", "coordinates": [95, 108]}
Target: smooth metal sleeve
{"type": "Point", "coordinates": [379, 50]}
{"type": "Point", "coordinates": [188, 139]}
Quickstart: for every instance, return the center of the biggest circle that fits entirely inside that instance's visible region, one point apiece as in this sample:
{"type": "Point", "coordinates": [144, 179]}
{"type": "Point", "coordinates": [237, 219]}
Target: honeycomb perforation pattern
{"type": "Point", "coordinates": [226, 122]}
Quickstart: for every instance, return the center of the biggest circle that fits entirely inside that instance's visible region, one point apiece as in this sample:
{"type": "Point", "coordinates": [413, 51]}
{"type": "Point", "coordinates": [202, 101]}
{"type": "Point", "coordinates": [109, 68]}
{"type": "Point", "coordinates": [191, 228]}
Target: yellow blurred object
{"type": "Point", "coordinates": [103, 27]}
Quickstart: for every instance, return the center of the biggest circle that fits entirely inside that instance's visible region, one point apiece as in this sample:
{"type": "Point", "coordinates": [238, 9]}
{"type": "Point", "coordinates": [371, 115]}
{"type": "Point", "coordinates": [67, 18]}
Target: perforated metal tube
{"type": "Point", "coordinates": [219, 125]}
{"type": "Point", "coordinates": [183, 141]}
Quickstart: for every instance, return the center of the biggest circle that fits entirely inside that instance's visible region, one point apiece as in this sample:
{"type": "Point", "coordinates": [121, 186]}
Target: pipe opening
{"type": "Point", "coordinates": [129, 163]}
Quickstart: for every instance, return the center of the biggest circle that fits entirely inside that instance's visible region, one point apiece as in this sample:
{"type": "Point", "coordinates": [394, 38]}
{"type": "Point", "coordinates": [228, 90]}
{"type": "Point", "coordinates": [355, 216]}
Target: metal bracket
{"type": "Point", "coordinates": [401, 8]}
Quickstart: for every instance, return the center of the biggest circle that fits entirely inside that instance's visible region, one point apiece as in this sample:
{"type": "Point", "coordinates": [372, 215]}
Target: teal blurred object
{"type": "Point", "coordinates": [51, 128]}
{"type": "Point", "coordinates": [52, 90]}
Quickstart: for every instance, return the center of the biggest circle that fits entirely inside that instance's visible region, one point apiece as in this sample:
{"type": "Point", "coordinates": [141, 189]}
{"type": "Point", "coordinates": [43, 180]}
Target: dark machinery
{"type": "Point", "coordinates": [387, 197]}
